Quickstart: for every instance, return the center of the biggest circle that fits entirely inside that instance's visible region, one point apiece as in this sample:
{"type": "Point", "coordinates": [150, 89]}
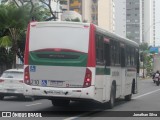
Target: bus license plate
{"type": "Point", "coordinates": [11, 90]}
{"type": "Point", "coordinates": [56, 83]}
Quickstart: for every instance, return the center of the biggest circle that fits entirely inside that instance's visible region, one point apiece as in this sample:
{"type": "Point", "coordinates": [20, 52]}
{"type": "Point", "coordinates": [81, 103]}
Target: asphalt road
{"type": "Point", "coordinates": [147, 99]}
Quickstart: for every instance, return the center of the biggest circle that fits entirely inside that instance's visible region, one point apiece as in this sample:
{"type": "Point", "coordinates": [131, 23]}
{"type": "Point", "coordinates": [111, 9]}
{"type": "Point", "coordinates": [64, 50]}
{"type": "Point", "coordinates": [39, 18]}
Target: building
{"type": "Point", "coordinates": [83, 7]}
{"type": "Point", "coordinates": [133, 20]}
{"type": "Point", "coordinates": [99, 12]}
{"type": "Point", "coordinates": [157, 23]}
{"type": "Point", "coordinates": [120, 17]}
{"type": "Point", "coordinates": [148, 22]}
{"type": "Point", "coordinates": [106, 15]}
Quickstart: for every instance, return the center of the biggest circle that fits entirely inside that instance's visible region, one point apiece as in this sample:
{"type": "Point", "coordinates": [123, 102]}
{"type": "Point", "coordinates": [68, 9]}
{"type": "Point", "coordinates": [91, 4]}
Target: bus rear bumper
{"type": "Point", "coordinates": [68, 93]}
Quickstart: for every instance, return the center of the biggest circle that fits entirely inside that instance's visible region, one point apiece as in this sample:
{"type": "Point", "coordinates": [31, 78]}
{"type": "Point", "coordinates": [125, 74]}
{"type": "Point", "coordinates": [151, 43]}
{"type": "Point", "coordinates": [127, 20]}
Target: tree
{"type": "Point", "coordinates": [145, 57]}
{"type": "Point", "coordinates": [12, 20]}
{"type": "Point", "coordinates": [143, 46]}
{"type": "Point", "coordinates": [13, 23]}
{"type": "Point", "coordinates": [36, 10]}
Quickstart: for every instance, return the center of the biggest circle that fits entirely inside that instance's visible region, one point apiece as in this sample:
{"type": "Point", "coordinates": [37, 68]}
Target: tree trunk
{"type": "Point", "coordinates": [14, 34]}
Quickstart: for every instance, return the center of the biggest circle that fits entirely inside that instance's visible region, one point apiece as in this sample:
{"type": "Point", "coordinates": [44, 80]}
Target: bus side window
{"type": "Point", "coordinates": [107, 54]}
{"type": "Point", "coordinates": [99, 49]}
{"type": "Point", "coordinates": [137, 60]}
{"type": "Point", "coordinates": [123, 57]}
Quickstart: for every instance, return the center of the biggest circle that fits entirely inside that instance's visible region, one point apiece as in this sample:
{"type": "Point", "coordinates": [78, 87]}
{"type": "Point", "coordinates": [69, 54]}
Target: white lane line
{"type": "Point", "coordinates": [33, 104]}
{"type": "Point", "coordinates": [75, 117]}
{"type": "Point", "coordinates": [145, 94]}
{"type": "Point", "coordinates": [78, 116]}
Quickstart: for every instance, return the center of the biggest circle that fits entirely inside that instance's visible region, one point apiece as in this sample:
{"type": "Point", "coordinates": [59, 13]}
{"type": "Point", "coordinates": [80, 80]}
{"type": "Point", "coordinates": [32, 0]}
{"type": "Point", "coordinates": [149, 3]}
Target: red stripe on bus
{"type": "Point", "coordinates": [91, 51]}
{"type": "Point", "coordinates": [56, 50]}
{"type": "Point", "coordinates": [26, 59]}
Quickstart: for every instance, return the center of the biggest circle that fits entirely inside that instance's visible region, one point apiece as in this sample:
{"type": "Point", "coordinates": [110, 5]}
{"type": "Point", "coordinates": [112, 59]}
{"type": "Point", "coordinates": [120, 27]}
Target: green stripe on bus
{"type": "Point", "coordinates": [103, 71]}
{"type": "Point", "coordinates": [80, 61]}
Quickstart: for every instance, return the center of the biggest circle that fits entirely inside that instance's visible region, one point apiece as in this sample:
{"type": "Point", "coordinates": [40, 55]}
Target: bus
{"type": "Point", "coordinates": [73, 61]}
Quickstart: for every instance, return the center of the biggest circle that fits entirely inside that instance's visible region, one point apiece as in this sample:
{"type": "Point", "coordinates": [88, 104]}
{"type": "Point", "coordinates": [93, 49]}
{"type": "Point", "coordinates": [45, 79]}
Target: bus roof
{"type": "Point", "coordinates": [59, 23]}
{"type": "Point", "coordinates": [115, 36]}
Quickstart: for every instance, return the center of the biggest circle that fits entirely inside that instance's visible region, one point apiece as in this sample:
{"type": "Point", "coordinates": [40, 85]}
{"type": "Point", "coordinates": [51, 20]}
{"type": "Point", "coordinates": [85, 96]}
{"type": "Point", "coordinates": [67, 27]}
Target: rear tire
{"type": "Point", "coordinates": [22, 97]}
{"type": "Point", "coordinates": [128, 97]}
{"type": "Point", "coordinates": [157, 83]}
{"type": "Point", "coordinates": [112, 97]}
{"type": "Point", "coordinates": [1, 97]}
{"type": "Point", "coordinates": [154, 81]}
{"type": "Point", "coordinates": [60, 102]}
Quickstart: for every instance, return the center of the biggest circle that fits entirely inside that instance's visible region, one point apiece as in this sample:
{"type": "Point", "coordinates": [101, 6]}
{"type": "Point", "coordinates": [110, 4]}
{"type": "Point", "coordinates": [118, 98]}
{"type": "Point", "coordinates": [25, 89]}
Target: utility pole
{"type": "Point", "coordinates": [143, 65]}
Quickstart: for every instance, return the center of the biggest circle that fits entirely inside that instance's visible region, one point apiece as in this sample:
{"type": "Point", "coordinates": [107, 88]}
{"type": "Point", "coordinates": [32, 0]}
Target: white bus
{"type": "Point", "coordinates": [66, 61]}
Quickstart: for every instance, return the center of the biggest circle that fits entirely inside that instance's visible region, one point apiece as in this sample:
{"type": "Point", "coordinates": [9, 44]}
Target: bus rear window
{"type": "Point", "coordinates": [73, 38]}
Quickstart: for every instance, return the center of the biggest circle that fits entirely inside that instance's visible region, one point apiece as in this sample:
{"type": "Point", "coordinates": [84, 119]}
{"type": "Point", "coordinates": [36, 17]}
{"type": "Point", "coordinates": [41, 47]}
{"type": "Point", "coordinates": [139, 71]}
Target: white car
{"type": "Point", "coordinates": [11, 83]}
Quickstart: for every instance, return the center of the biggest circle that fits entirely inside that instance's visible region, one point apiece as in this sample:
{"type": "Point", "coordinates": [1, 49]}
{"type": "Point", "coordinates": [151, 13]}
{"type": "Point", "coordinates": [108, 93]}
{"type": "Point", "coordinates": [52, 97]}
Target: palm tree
{"type": "Point", "coordinates": [12, 20]}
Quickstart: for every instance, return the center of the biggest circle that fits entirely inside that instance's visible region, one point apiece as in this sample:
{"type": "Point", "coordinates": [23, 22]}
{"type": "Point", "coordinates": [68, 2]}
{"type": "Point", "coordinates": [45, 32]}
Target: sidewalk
{"type": "Point", "coordinates": [146, 78]}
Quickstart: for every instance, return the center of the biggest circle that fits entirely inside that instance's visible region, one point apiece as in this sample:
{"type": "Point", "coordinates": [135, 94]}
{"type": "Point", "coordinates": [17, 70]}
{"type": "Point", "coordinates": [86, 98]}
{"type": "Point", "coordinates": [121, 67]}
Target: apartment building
{"type": "Point", "coordinates": [106, 15]}
{"type": "Point", "coordinates": [99, 12]}
{"type": "Point", "coordinates": [148, 22]}
{"type": "Point", "coordinates": [120, 17]}
{"type": "Point", "coordinates": [133, 21]}
{"type": "Point", "coordinates": [83, 7]}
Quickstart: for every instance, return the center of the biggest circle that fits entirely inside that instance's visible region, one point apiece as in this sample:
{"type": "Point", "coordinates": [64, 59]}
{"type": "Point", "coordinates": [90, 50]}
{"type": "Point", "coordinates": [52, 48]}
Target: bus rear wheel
{"type": "Point", "coordinates": [60, 102]}
{"type": "Point", "coordinates": [112, 97]}
{"type": "Point", "coordinates": [128, 97]}
{"type": "Point", "coordinates": [1, 97]}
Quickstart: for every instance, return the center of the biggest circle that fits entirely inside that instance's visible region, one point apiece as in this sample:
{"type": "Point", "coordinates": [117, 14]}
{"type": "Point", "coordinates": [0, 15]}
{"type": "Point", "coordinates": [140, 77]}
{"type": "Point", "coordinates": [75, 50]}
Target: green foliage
{"type": "Point", "coordinates": [146, 57]}
{"type": "Point", "coordinates": [143, 46]}
{"type": "Point", "coordinates": [5, 41]}
{"type": "Point", "coordinates": [12, 17]}
{"type": "Point", "coordinates": [12, 20]}
{"type": "Point", "coordinates": [13, 24]}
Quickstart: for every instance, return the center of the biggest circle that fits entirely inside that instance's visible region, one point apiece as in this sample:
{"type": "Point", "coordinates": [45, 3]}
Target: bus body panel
{"type": "Point", "coordinates": [57, 76]}
{"type": "Point", "coordinates": [60, 53]}
{"type": "Point", "coordinates": [130, 76]}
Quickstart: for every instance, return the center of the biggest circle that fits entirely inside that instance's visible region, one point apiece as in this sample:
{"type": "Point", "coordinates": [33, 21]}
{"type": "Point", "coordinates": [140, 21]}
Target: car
{"type": "Point", "coordinates": [11, 83]}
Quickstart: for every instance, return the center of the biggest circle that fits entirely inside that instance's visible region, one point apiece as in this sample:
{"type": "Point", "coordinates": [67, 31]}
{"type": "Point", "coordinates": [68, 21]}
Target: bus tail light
{"type": "Point", "coordinates": [88, 78]}
{"type": "Point", "coordinates": [26, 76]}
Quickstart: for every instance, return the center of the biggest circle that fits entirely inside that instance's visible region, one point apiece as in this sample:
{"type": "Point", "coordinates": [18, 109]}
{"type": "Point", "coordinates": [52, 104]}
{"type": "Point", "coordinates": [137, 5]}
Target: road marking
{"type": "Point", "coordinates": [33, 104]}
{"type": "Point", "coordinates": [76, 117]}
{"type": "Point", "coordinates": [145, 94]}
